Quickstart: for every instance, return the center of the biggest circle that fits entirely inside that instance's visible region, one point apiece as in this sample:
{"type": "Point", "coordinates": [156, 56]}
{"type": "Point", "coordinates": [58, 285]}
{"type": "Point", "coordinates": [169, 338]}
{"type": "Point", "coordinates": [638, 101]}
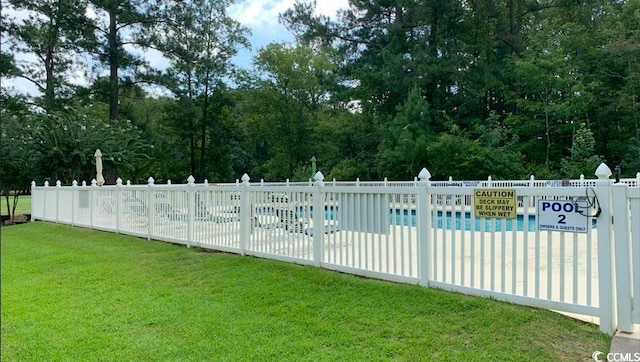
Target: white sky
{"type": "Point", "coordinates": [260, 16]}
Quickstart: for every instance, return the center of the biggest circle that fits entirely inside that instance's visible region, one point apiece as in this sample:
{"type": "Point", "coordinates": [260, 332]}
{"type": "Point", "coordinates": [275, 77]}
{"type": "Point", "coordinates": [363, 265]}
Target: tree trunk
{"type": "Point", "coordinates": [49, 97]}
{"type": "Point", "coordinates": [114, 64]}
{"type": "Point", "coordinates": [192, 129]}
{"type": "Point", "coordinates": [50, 83]}
{"type": "Point", "coordinates": [203, 129]}
{"type": "Point", "coordinates": [547, 130]}
{"type": "Point", "coordinates": [192, 145]}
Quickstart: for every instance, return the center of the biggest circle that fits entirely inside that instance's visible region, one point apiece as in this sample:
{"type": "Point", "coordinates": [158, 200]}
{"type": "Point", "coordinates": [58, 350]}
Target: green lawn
{"type": "Point", "coordinates": [24, 205]}
{"type": "Point", "coordinates": [72, 294]}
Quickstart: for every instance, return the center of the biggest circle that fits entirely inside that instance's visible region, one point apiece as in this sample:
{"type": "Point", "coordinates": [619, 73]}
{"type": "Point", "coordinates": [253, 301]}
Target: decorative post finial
{"type": "Point", "coordinates": [319, 177]}
{"type": "Point", "coordinates": [603, 172]}
{"type": "Point", "coordinates": [424, 175]}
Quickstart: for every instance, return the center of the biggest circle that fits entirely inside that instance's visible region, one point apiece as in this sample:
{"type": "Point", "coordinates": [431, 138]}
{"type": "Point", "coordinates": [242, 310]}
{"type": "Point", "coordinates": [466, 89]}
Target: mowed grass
{"type": "Point", "coordinates": [23, 207]}
{"type": "Point", "coordinates": [72, 294]}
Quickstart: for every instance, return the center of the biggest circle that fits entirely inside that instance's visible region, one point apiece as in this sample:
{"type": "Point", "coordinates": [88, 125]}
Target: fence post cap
{"type": "Point", "coordinates": [94, 182]}
{"type": "Point", "coordinates": [603, 171]}
{"type": "Point", "coordinates": [245, 178]}
{"type": "Point", "coordinates": [191, 180]}
{"type": "Point", "coordinates": [319, 178]}
{"type": "Point", "coordinates": [168, 181]}
{"type": "Point", "coordinates": [206, 182]}
{"type": "Point", "coordinates": [424, 174]}
{"type": "Point", "coordinates": [84, 183]}
{"type": "Point", "coordinates": [33, 184]}
{"type": "Point", "coordinates": [74, 183]}
{"type": "Point", "coordinates": [118, 181]}
{"type": "Point", "coordinates": [150, 181]}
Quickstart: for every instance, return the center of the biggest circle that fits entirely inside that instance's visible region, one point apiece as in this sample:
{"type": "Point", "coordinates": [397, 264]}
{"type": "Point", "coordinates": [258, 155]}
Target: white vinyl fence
{"type": "Point", "coordinates": [418, 232]}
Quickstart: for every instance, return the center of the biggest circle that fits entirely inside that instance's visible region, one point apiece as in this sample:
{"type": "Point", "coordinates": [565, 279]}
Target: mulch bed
{"type": "Point", "coordinates": [19, 219]}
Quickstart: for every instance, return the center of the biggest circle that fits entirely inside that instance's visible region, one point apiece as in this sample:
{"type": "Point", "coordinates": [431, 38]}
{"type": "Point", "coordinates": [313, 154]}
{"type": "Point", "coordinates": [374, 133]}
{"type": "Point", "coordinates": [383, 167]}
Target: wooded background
{"type": "Point", "coordinates": [466, 88]}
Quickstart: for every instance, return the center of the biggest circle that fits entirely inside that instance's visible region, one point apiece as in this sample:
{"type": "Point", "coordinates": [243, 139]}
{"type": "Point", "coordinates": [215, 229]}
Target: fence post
{"type": "Point", "coordinates": [423, 220]}
{"type": "Point", "coordinates": [245, 214]}
{"type": "Point", "coordinates": [622, 252]}
{"type": "Point", "coordinates": [318, 219]}
{"type": "Point", "coordinates": [92, 201]}
{"type": "Point", "coordinates": [33, 188]}
{"type": "Point", "coordinates": [44, 203]}
{"type": "Point", "coordinates": [118, 204]}
{"type": "Point", "coordinates": [151, 209]}
{"type": "Point", "coordinates": [74, 191]}
{"type": "Point", "coordinates": [191, 208]}
{"type": "Point", "coordinates": [58, 186]}
{"type": "Point", "coordinates": [606, 278]}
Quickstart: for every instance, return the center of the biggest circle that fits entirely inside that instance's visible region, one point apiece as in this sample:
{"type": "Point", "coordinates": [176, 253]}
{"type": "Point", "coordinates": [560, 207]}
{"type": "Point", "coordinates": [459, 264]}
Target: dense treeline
{"type": "Point", "coordinates": [466, 88]}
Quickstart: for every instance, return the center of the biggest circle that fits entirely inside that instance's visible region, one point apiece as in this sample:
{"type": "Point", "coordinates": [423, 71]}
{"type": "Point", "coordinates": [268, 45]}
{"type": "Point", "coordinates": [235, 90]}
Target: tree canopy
{"type": "Point", "coordinates": [467, 89]}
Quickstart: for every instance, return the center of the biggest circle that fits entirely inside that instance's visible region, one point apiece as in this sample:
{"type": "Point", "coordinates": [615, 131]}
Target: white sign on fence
{"type": "Point", "coordinates": [562, 215]}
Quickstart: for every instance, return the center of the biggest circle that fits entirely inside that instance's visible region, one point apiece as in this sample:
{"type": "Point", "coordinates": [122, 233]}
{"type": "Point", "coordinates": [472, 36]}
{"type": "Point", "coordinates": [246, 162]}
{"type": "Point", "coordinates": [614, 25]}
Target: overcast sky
{"type": "Point", "coordinates": [260, 16]}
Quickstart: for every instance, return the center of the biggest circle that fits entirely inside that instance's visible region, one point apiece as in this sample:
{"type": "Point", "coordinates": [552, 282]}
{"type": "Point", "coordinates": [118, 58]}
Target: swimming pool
{"type": "Point", "coordinates": [449, 220]}
{"type": "Point", "coordinates": [462, 220]}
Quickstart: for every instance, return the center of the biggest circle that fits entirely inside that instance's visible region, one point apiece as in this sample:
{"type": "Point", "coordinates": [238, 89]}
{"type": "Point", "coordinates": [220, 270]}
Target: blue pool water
{"type": "Point", "coordinates": [449, 220]}
{"type": "Point", "coordinates": [457, 220]}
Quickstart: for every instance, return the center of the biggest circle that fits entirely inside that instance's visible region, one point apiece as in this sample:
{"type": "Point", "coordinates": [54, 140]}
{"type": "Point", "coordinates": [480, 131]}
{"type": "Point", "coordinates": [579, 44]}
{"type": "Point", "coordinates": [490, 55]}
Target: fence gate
{"type": "Point", "coordinates": [626, 226]}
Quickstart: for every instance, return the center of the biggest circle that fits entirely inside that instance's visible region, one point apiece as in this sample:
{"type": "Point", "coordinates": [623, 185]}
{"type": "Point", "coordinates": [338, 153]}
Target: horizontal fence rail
{"type": "Point", "coordinates": [421, 232]}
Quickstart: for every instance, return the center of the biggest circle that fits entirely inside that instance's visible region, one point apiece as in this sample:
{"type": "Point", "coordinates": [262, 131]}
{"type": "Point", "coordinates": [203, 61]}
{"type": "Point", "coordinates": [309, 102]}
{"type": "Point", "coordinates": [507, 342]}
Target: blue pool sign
{"type": "Point", "coordinates": [562, 215]}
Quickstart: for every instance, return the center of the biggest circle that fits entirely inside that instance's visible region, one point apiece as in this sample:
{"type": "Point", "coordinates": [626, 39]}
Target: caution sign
{"type": "Point", "coordinates": [496, 203]}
